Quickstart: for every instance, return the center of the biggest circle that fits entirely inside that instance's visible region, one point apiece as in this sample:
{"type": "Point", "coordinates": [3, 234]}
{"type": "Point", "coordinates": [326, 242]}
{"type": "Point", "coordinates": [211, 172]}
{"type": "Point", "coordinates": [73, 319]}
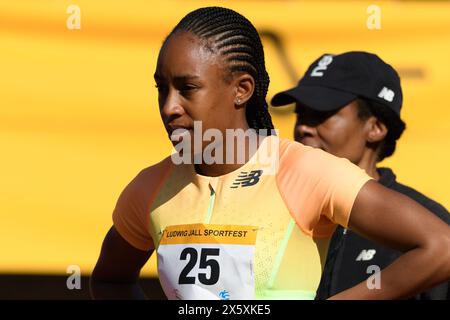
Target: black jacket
{"type": "Point", "coordinates": [350, 255]}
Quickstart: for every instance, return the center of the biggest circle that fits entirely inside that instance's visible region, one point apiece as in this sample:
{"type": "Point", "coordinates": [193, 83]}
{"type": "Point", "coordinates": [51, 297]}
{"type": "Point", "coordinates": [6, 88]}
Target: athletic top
{"type": "Point", "coordinates": [295, 209]}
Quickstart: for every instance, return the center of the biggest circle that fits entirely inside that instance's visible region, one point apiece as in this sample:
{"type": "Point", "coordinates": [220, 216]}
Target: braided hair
{"type": "Point", "coordinates": [233, 37]}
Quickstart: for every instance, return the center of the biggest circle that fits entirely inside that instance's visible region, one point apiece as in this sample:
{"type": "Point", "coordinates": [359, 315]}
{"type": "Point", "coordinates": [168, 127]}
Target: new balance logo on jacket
{"type": "Point", "coordinates": [366, 255]}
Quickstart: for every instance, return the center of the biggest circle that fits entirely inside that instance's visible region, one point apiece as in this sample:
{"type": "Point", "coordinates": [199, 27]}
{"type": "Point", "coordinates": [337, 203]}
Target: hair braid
{"type": "Point", "coordinates": [237, 40]}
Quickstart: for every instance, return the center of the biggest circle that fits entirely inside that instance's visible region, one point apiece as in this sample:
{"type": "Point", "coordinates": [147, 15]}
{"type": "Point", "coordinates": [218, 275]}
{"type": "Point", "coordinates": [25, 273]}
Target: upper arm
{"type": "Point", "coordinates": [128, 244]}
{"type": "Point", "coordinates": [119, 261]}
{"type": "Point", "coordinates": [395, 220]}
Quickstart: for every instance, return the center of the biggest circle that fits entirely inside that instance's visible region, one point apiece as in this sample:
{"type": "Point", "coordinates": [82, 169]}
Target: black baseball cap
{"type": "Point", "coordinates": [333, 81]}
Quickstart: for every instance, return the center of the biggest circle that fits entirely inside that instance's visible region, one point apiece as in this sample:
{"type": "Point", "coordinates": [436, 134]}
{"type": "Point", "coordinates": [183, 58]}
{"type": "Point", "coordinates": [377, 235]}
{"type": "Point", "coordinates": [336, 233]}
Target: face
{"type": "Point", "coordinates": [341, 132]}
{"type": "Point", "coordinates": [192, 87]}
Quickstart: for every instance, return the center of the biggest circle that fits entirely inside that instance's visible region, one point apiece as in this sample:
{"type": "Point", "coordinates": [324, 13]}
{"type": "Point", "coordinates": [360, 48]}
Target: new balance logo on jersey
{"type": "Point", "coordinates": [366, 255]}
{"type": "Point", "coordinates": [386, 94]}
{"type": "Point", "coordinates": [247, 179]}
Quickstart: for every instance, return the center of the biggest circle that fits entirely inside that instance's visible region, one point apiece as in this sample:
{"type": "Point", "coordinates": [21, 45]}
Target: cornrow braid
{"type": "Point", "coordinates": [235, 39]}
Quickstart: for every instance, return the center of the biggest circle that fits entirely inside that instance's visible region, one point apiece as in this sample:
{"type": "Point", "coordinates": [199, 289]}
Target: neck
{"type": "Point", "coordinates": [239, 159]}
{"type": "Point", "coordinates": [215, 170]}
{"type": "Point", "coordinates": [368, 162]}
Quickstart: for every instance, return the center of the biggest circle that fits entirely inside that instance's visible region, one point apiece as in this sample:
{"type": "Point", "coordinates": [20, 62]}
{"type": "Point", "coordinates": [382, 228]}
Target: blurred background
{"type": "Point", "coordinates": [79, 116]}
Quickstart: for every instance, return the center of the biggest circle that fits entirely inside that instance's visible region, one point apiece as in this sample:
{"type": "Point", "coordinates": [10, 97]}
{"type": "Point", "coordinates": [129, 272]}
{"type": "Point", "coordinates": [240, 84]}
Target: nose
{"type": "Point", "coordinates": [170, 106]}
{"type": "Point", "coordinates": [303, 129]}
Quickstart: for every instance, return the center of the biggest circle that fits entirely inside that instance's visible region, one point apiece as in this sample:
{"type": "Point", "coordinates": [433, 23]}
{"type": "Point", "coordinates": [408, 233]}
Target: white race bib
{"type": "Point", "coordinates": [203, 261]}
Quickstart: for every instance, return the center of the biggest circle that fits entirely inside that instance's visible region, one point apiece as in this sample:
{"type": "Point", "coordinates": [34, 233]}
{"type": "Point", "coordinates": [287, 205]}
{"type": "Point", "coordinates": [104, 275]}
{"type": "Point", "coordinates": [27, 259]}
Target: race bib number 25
{"type": "Point", "coordinates": [203, 261]}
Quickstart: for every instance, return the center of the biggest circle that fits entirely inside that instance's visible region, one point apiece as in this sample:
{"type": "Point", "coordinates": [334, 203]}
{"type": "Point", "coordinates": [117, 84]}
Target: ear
{"type": "Point", "coordinates": [376, 130]}
{"type": "Point", "coordinates": [244, 87]}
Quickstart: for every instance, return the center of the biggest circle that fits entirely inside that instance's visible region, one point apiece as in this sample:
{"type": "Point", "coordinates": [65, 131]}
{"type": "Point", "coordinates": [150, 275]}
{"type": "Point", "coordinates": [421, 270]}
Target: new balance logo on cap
{"type": "Point", "coordinates": [366, 255]}
{"type": "Point", "coordinates": [322, 65]}
{"type": "Point", "coordinates": [333, 81]}
{"type": "Point", "coordinates": [247, 179]}
{"type": "Point", "coordinates": [386, 94]}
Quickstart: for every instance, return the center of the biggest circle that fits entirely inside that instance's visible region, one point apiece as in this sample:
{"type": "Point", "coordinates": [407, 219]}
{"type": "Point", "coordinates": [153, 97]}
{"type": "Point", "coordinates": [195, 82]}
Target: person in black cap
{"type": "Point", "coordinates": [349, 105]}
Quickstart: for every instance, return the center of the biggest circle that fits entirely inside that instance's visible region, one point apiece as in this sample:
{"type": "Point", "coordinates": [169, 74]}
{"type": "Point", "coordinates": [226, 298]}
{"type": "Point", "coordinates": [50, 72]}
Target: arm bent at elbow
{"type": "Point", "coordinates": [392, 219]}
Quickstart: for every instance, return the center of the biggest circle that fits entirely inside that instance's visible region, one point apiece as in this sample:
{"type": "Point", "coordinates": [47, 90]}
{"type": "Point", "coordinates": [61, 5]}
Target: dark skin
{"type": "Point", "coordinates": [378, 213]}
{"type": "Point", "coordinates": [342, 133]}
{"type": "Point", "coordinates": [116, 273]}
{"type": "Point", "coordinates": [196, 87]}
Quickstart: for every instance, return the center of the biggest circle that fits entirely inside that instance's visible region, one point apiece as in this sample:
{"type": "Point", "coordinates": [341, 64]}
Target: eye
{"type": "Point", "coordinates": [161, 87]}
{"type": "Point", "coordinates": [188, 88]}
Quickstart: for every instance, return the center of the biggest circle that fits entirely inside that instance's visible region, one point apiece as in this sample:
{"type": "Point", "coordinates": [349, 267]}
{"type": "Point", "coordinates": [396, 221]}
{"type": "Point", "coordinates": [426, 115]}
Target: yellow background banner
{"type": "Point", "coordinates": [79, 116]}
